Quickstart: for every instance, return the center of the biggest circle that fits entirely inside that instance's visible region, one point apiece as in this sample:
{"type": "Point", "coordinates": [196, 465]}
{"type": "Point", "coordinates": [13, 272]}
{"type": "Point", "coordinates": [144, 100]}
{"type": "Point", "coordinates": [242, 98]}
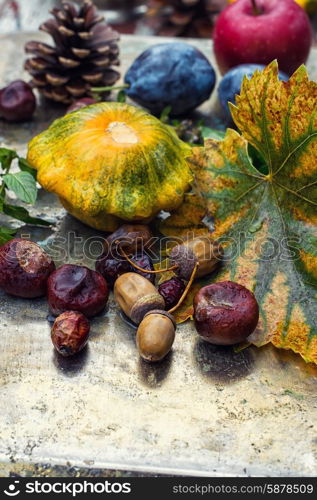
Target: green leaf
{"type": "Point", "coordinates": [23, 185]}
{"type": "Point", "coordinates": [6, 157]}
{"type": "Point", "coordinates": [26, 167]}
{"type": "Point", "coordinates": [165, 114]}
{"type": "Point", "coordinates": [6, 234]}
{"type": "Point", "coordinates": [122, 96]}
{"type": "Point", "coordinates": [210, 133]}
{"type": "Point", "coordinates": [268, 222]}
{"type": "Point", "coordinates": [22, 214]}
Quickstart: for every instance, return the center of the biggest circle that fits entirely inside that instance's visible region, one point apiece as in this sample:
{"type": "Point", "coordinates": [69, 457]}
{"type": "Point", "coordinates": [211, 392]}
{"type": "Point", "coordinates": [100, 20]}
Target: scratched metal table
{"type": "Point", "coordinates": [203, 411]}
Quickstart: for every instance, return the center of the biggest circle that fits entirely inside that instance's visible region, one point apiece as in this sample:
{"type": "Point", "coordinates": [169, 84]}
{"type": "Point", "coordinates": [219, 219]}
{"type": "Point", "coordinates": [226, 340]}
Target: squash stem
{"type": "Point", "coordinates": [189, 284]}
{"type": "Point", "coordinates": [146, 271]}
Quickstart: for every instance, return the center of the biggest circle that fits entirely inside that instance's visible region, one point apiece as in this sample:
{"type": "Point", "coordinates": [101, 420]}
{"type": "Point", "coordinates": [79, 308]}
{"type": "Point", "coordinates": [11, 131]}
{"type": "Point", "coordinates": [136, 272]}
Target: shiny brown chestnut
{"type": "Point", "coordinates": [70, 333]}
{"type": "Point", "coordinates": [225, 313]}
{"type": "Point", "coordinates": [80, 103]}
{"type": "Point", "coordinates": [155, 335]}
{"type": "Point", "coordinates": [77, 288]}
{"type": "Point", "coordinates": [136, 296]}
{"type": "Point", "coordinates": [24, 268]}
{"type": "Point", "coordinates": [17, 101]}
{"type": "Point", "coordinates": [202, 250]}
{"type": "Point", "coordinates": [130, 237]}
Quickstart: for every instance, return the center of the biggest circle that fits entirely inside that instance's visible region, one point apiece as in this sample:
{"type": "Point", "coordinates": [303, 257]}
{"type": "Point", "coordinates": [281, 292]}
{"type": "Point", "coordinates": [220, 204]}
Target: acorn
{"type": "Point", "coordinates": [155, 335]}
{"type": "Point", "coordinates": [136, 296]}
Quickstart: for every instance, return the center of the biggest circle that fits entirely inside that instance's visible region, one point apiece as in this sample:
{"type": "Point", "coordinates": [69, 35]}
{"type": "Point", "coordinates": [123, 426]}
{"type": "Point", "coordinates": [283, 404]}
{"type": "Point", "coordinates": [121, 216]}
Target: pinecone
{"type": "Point", "coordinates": [194, 18]}
{"type": "Point", "coordinates": [85, 49]}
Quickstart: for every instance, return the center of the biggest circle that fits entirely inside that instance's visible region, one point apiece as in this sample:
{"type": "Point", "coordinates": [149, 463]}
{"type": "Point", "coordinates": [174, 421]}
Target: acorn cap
{"type": "Point", "coordinates": [144, 305]}
{"type": "Point", "coordinates": [163, 313]}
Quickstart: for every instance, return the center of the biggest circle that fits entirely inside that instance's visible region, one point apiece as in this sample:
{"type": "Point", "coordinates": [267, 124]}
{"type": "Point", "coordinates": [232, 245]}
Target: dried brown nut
{"type": "Point", "coordinates": [155, 335]}
{"type": "Point", "coordinates": [24, 268]}
{"type": "Point", "coordinates": [130, 237]}
{"type": "Point", "coordinates": [70, 333]}
{"type": "Point", "coordinates": [225, 313]}
{"type": "Point", "coordinates": [77, 288]}
{"type": "Point", "coordinates": [136, 296]}
{"type": "Point", "coordinates": [203, 249]}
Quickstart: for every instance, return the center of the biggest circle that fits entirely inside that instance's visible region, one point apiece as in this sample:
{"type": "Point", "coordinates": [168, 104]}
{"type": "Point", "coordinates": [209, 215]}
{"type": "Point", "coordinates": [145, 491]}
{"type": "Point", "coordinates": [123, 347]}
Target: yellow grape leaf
{"type": "Point", "coordinates": [186, 221]}
{"type": "Point", "coordinates": [268, 220]}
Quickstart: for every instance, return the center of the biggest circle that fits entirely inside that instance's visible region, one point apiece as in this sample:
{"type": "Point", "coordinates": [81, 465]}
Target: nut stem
{"type": "Point", "coordinates": [189, 284]}
{"type": "Point", "coordinates": [256, 10]}
{"type": "Point", "coordinates": [147, 271]}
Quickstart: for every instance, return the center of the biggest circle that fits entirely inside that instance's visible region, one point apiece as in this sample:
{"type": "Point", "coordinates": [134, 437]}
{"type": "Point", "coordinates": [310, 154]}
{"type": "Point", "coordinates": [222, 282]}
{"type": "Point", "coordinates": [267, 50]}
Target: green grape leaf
{"type": "Point", "coordinates": [211, 133]}
{"type": "Point", "coordinates": [23, 185]}
{"type": "Point", "coordinates": [267, 218]}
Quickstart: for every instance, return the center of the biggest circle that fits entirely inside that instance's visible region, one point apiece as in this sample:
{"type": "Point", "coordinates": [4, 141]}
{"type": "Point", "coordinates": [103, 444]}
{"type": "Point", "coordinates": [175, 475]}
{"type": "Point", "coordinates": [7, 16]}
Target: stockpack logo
{"type": "Point", "coordinates": [13, 489]}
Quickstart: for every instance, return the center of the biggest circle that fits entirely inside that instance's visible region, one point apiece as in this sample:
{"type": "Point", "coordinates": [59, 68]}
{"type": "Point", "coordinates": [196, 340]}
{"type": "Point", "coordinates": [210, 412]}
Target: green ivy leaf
{"type": "Point", "coordinates": [122, 96]}
{"type": "Point", "coordinates": [6, 157]}
{"type": "Point", "coordinates": [22, 214]}
{"type": "Point", "coordinates": [6, 234]}
{"type": "Point", "coordinates": [23, 185]}
{"type": "Point", "coordinates": [26, 167]}
{"type": "Point", "coordinates": [165, 114]}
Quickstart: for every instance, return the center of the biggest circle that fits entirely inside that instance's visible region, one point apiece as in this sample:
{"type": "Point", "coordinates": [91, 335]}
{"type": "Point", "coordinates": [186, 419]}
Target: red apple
{"type": "Point", "coordinates": [259, 31]}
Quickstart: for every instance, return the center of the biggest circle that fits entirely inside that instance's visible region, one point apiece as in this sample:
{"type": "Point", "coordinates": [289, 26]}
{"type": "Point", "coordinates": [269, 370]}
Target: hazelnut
{"type": "Point", "coordinates": [155, 335]}
{"type": "Point", "coordinates": [70, 333]}
{"type": "Point", "coordinates": [136, 296]}
{"type": "Point", "coordinates": [77, 288]}
{"type": "Point", "coordinates": [130, 237]}
{"type": "Point", "coordinates": [225, 313]}
{"type": "Point", "coordinates": [24, 268]}
{"type": "Point", "coordinates": [203, 249]}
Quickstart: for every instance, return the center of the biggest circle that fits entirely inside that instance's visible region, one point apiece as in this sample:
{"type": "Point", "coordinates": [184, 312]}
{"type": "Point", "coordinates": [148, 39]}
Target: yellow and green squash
{"type": "Point", "coordinates": [111, 162]}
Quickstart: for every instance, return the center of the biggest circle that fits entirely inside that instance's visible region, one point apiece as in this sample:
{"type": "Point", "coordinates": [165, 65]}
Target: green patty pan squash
{"type": "Point", "coordinates": [111, 162]}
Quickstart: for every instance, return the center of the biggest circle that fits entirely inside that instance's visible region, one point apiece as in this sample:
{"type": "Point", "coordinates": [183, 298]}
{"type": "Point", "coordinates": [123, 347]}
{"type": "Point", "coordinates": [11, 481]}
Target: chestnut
{"type": "Point", "coordinates": [70, 333]}
{"type": "Point", "coordinates": [17, 101]}
{"type": "Point", "coordinates": [130, 237]}
{"type": "Point", "coordinates": [202, 250]}
{"type": "Point", "coordinates": [80, 103]}
{"type": "Point", "coordinates": [155, 335]}
{"type": "Point", "coordinates": [111, 265]}
{"type": "Point", "coordinates": [24, 268]}
{"type": "Point", "coordinates": [225, 313]}
{"type": "Point", "coordinates": [76, 288]}
{"type": "Point", "coordinates": [136, 296]}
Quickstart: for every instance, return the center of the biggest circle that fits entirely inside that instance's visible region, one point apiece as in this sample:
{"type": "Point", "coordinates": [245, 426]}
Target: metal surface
{"type": "Point", "coordinates": [205, 410]}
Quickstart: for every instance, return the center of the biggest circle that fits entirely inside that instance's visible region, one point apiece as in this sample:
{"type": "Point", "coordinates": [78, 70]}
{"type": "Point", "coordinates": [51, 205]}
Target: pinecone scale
{"type": "Point", "coordinates": [84, 54]}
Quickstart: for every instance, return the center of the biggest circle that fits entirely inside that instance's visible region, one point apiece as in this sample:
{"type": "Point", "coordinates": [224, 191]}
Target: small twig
{"type": "Point", "coordinates": [189, 284]}
{"type": "Point", "coordinates": [110, 88]}
{"type": "Point", "coordinates": [146, 271]}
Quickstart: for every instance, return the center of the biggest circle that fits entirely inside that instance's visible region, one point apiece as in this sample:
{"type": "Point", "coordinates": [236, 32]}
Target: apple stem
{"type": "Point", "coordinates": [255, 8]}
